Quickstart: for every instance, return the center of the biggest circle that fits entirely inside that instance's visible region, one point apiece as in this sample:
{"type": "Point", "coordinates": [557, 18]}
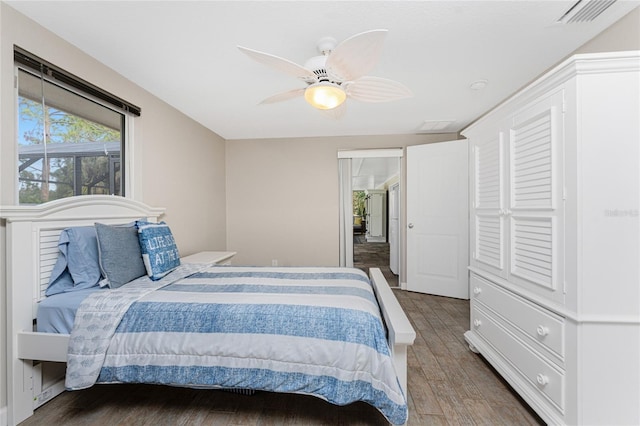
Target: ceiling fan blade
{"type": "Point", "coordinates": [280, 64]}
{"type": "Point", "coordinates": [284, 96]}
{"type": "Point", "coordinates": [335, 113]}
{"type": "Point", "coordinates": [356, 56]}
{"type": "Point", "coordinates": [376, 89]}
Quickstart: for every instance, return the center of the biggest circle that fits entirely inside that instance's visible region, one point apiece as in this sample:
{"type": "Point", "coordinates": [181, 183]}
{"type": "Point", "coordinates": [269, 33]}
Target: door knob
{"type": "Point", "coordinates": [410, 225]}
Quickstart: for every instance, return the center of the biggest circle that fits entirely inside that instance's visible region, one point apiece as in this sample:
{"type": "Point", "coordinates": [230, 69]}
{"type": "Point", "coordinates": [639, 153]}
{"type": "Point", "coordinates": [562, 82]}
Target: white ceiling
{"type": "Point", "coordinates": [185, 53]}
{"type": "Point", "coordinates": [371, 173]}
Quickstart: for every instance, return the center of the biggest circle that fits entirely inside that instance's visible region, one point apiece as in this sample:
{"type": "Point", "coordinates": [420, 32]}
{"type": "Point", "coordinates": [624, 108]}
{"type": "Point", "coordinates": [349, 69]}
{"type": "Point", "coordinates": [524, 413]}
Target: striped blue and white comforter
{"type": "Point", "coordinates": [315, 331]}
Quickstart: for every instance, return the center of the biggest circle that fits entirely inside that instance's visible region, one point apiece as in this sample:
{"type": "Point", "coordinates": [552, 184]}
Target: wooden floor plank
{"type": "Point", "coordinates": [422, 396]}
{"type": "Point", "coordinates": [482, 413]}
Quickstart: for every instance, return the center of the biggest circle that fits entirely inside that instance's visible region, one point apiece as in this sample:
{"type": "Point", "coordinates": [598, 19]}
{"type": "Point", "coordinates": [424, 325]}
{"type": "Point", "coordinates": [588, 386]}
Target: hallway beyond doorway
{"type": "Point", "coordinates": [373, 255]}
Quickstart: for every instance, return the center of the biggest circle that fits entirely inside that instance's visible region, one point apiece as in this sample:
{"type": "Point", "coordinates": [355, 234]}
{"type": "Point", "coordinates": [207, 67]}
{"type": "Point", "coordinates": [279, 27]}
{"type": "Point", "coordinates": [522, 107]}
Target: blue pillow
{"type": "Point", "coordinates": [159, 250]}
{"type": "Point", "coordinates": [60, 279]}
{"type": "Point", "coordinates": [77, 265]}
{"type": "Point", "coordinates": [119, 254]}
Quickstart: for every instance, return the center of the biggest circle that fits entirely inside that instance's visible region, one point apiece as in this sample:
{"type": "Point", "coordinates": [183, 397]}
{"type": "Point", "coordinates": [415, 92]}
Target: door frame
{"type": "Point", "coordinates": [394, 188]}
{"type": "Point", "coordinates": [346, 201]}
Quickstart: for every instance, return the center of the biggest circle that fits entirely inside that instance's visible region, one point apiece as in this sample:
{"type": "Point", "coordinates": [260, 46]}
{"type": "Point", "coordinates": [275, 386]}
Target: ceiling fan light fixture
{"type": "Point", "coordinates": [325, 95]}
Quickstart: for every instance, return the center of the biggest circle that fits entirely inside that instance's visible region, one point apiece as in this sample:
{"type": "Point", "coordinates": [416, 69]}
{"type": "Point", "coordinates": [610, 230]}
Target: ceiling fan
{"type": "Point", "coordinates": [338, 73]}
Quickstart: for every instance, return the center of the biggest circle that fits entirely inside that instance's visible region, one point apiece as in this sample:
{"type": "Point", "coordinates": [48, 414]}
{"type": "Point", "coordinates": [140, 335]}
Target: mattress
{"type": "Point", "coordinates": [57, 313]}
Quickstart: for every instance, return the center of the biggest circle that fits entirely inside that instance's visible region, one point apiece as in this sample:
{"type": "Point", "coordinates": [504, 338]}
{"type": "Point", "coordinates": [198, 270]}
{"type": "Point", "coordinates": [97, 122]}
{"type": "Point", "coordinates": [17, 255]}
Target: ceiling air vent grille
{"type": "Point", "coordinates": [585, 11]}
{"type": "Point", "coordinates": [435, 126]}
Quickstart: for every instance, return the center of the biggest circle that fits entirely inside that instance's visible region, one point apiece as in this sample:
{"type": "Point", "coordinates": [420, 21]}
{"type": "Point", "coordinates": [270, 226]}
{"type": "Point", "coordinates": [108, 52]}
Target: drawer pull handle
{"type": "Point", "coordinates": [542, 330]}
{"type": "Point", "coordinates": [542, 379]}
{"type": "Point", "coordinates": [477, 323]}
{"type": "Point", "coordinates": [477, 290]}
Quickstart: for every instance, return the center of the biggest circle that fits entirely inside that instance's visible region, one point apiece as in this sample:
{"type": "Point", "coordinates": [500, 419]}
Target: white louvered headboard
{"type": "Point", "coordinates": [48, 253]}
{"type": "Point", "coordinates": [32, 237]}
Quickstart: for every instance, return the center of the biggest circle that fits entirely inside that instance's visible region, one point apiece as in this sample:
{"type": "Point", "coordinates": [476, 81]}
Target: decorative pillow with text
{"type": "Point", "coordinates": [159, 251]}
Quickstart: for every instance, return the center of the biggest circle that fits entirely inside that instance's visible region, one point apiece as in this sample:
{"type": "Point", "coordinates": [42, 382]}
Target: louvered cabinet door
{"type": "Point", "coordinates": [535, 197]}
{"type": "Point", "coordinates": [488, 205]}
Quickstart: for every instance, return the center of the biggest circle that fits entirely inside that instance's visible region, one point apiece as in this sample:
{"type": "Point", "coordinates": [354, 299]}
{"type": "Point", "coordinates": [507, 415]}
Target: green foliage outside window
{"type": "Point", "coordinates": [83, 166]}
{"type": "Point", "coordinates": [359, 203]}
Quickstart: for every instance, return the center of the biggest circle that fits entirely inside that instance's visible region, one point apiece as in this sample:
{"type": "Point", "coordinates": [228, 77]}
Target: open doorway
{"type": "Point", "coordinates": [370, 210]}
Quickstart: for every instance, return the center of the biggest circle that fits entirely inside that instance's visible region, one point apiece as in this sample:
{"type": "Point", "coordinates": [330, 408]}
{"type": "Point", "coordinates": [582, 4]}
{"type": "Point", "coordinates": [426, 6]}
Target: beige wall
{"type": "Point", "coordinates": [282, 196]}
{"type": "Point", "coordinates": [178, 164]}
{"type": "Point", "coordinates": [171, 151]}
{"type": "Point", "coordinates": [624, 35]}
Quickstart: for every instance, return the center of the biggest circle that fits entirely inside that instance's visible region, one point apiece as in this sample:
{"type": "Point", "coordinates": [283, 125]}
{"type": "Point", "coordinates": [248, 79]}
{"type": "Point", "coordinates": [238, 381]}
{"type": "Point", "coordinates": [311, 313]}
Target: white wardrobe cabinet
{"type": "Point", "coordinates": [555, 237]}
{"type": "Point", "coordinates": [517, 207]}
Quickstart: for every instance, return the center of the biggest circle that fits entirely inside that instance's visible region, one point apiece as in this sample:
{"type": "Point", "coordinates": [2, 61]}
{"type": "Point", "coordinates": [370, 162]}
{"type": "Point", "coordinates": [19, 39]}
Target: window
{"type": "Point", "coordinates": [70, 142]}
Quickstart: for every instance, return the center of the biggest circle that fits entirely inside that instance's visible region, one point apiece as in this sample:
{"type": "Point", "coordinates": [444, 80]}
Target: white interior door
{"type": "Point", "coordinates": [376, 217]}
{"type": "Point", "coordinates": [438, 219]}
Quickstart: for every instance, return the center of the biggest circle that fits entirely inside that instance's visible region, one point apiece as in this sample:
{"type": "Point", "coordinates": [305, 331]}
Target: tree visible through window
{"type": "Point", "coordinates": [359, 203]}
{"type": "Point", "coordinates": [68, 144]}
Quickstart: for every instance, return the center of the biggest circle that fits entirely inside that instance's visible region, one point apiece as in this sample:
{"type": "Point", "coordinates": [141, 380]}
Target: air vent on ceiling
{"type": "Point", "coordinates": [585, 11]}
{"type": "Point", "coordinates": [435, 126]}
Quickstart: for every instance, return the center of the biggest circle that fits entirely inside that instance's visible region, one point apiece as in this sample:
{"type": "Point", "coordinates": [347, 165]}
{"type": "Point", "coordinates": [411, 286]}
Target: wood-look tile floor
{"type": "Point", "coordinates": [370, 255]}
{"type": "Point", "coordinates": [448, 385]}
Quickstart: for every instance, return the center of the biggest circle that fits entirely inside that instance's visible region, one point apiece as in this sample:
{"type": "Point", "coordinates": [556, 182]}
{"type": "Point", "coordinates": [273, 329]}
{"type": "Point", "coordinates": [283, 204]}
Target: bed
{"type": "Point", "coordinates": [32, 234]}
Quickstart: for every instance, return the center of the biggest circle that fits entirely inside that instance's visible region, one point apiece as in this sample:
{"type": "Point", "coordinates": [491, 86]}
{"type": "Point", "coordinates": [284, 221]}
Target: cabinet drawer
{"type": "Point", "coordinates": [539, 374]}
{"type": "Point", "coordinates": [541, 326]}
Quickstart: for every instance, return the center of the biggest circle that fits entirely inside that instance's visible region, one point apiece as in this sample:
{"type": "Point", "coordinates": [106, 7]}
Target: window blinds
{"type": "Point", "coordinates": [33, 62]}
